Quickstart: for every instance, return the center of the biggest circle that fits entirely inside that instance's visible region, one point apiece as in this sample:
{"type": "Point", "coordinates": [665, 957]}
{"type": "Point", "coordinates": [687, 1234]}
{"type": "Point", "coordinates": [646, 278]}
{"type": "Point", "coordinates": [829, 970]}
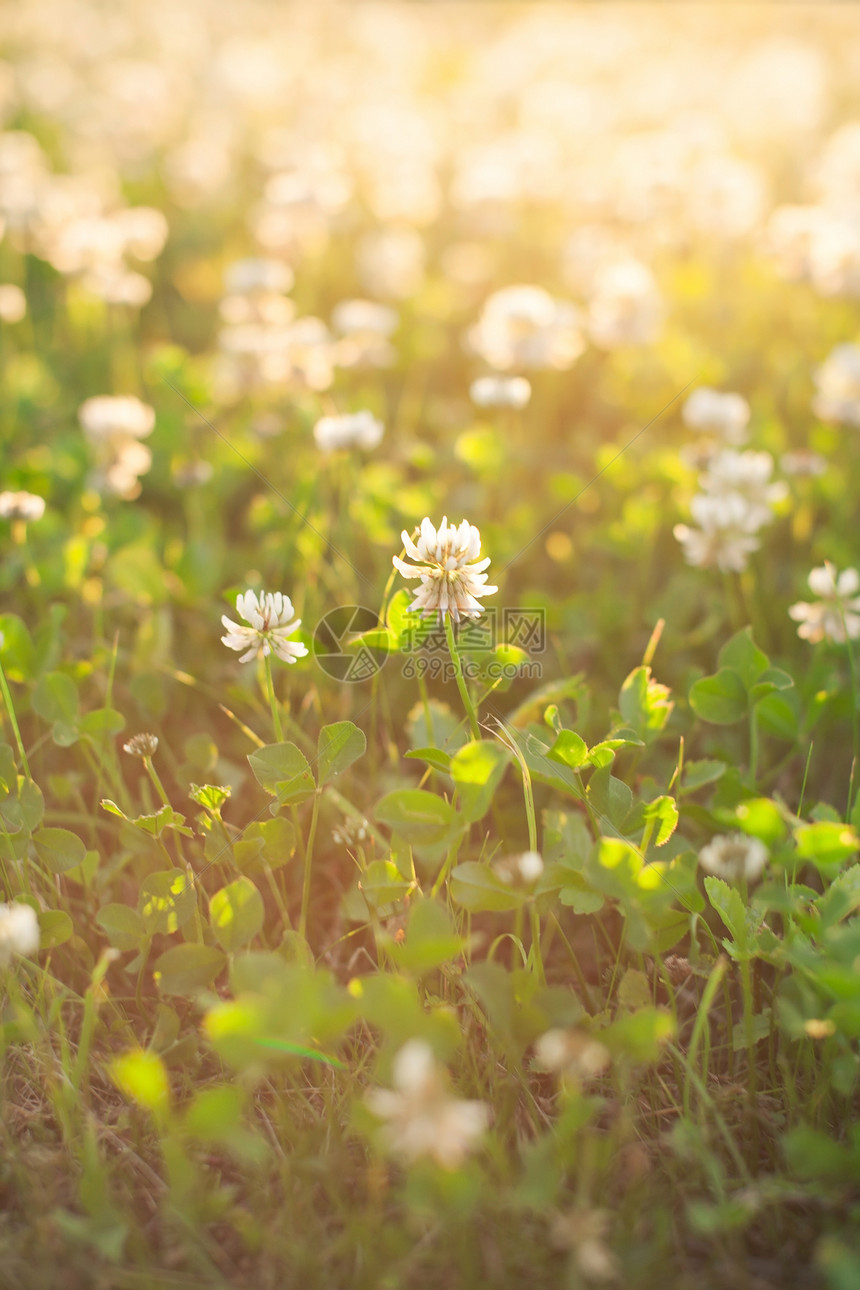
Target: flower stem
{"type": "Point", "coordinates": [309, 856]}
{"type": "Point", "coordinates": [273, 702]}
{"type": "Point", "coordinates": [460, 678]}
{"type": "Point", "coordinates": [10, 708]}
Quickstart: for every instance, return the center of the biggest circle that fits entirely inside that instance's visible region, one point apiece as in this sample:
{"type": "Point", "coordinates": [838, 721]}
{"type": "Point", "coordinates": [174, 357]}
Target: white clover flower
{"type": "Point", "coordinates": [500, 392]}
{"type": "Point", "coordinates": [524, 869]}
{"type": "Point", "coordinates": [13, 303]}
{"type": "Point", "coordinates": [837, 380]}
{"type": "Point", "coordinates": [746, 475]}
{"type": "Point", "coordinates": [583, 1233]}
{"type": "Point", "coordinates": [271, 623]}
{"type": "Point", "coordinates": [422, 1118]}
{"type": "Point", "coordinates": [142, 745]}
{"type": "Point", "coordinates": [21, 506]}
{"type": "Point", "coordinates": [572, 1053]}
{"type": "Point", "coordinates": [451, 573]}
{"type": "Point", "coordinates": [363, 317]}
{"type": "Point", "coordinates": [247, 277]}
{"type": "Point", "coordinates": [836, 615]}
{"type": "Point", "coordinates": [725, 536]}
{"type": "Point", "coordinates": [626, 307]}
{"type": "Point", "coordinates": [106, 416]}
{"type": "Point", "coordinates": [350, 430]}
{"type": "Point", "coordinates": [803, 461]}
{"type": "Point", "coordinates": [734, 856]}
{"type": "Point", "coordinates": [523, 326]}
{"type": "Point", "coordinates": [19, 931]}
{"type": "Point", "coordinates": [714, 412]}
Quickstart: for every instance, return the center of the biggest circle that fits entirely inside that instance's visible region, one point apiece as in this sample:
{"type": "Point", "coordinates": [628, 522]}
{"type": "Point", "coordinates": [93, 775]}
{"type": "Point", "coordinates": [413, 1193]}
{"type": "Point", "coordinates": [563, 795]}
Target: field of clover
{"type": "Point", "coordinates": [429, 633]}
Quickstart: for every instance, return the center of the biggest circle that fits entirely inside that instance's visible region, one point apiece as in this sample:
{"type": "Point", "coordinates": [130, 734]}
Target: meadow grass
{"type": "Point", "coordinates": [384, 902]}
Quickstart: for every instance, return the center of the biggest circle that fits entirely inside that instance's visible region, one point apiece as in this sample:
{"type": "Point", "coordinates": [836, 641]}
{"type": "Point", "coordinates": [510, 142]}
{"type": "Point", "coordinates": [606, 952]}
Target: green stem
{"type": "Point", "coordinates": [460, 678]}
{"type": "Point", "coordinates": [154, 776]}
{"type": "Point", "coordinates": [273, 702]}
{"type": "Point", "coordinates": [10, 708]}
{"type": "Point", "coordinates": [309, 856]}
{"type": "Point", "coordinates": [753, 771]}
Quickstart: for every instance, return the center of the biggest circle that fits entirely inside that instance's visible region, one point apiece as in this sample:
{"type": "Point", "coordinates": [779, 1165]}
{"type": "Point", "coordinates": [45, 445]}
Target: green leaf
{"type": "Point", "coordinates": [739, 920]}
{"type": "Point", "coordinates": [430, 940]}
{"type": "Point", "coordinates": [59, 849]}
{"type": "Point", "coordinates": [698, 773]}
{"type": "Point", "coordinates": [541, 767]}
{"type": "Point", "coordinates": [570, 749]}
{"type": "Point", "coordinates": [188, 969]}
{"type": "Point", "coordinates": [210, 796]}
{"type": "Point", "coordinates": [16, 648]}
{"type": "Point", "coordinates": [340, 744]}
{"type": "Point", "coordinates": [720, 699]}
{"type": "Point", "coordinates": [477, 769]}
{"type": "Point", "coordinates": [55, 698]}
{"type": "Point", "coordinates": [645, 704]}
{"type": "Point", "coordinates": [826, 843]}
{"type": "Point", "coordinates": [420, 816]}
{"type": "Point", "coordinates": [434, 757]}
{"type": "Point", "coordinates": [778, 715]}
{"type": "Point", "coordinates": [55, 927]}
{"type": "Point", "coordinates": [236, 914]}
{"type": "Point", "coordinates": [265, 842]}
{"type": "Point", "coordinates": [743, 656]}
{"type": "Point", "coordinates": [477, 888]}
{"type": "Point", "coordinates": [761, 818]}
{"type": "Point", "coordinates": [382, 884]}
{"type": "Point", "coordinates": [102, 723]}
{"type": "Point", "coordinates": [665, 811]}
{"type": "Point", "coordinates": [142, 1076]}
{"type": "Point", "coordinates": [167, 901]}
{"type": "Point", "coordinates": [283, 770]}
{"type": "Point", "coordinates": [122, 925]}
{"type": "Point", "coordinates": [610, 797]}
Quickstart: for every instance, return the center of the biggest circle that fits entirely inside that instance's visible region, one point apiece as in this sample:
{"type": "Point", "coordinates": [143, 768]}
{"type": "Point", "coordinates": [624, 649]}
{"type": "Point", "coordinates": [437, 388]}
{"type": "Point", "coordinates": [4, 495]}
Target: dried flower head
{"type": "Point", "coordinates": [142, 745]}
{"type": "Point", "coordinates": [836, 615]}
{"type": "Point", "coordinates": [452, 575]}
{"type": "Point", "coordinates": [422, 1118]}
{"type": "Point", "coordinates": [270, 624]}
{"type": "Point", "coordinates": [19, 931]}
{"type": "Point", "coordinates": [734, 856]}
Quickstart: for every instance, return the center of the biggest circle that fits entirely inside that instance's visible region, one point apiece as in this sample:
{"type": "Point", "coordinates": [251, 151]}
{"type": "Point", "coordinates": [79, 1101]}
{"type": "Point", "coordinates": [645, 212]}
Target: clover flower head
{"type": "Point", "coordinates": [719, 413]}
{"type": "Point", "coordinates": [572, 1053]}
{"type": "Point", "coordinates": [270, 623]}
{"type": "Point", "coordinates": [837, 383]}
{"type": "Point", "coordinates": [734, 856]}
{"type": "Point", "coordinates": [351, 430]}
{"type": "Point", "coordinates": [422, 1118]}
{"type": "Point", "coordinates": [726, 536]}
{"type": "Point", "coordinates": [835, 616]}
{"type": "Point", "coordinates": [19, 931]}
{"type": "Point", "coordinates": [447, 562]}
{"type": "Point", "coordinates": [21, 506]}
{"type": "Point", "coordinates": [142, 745]}
{"type": "Point", "coordinates": [500, 392]}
